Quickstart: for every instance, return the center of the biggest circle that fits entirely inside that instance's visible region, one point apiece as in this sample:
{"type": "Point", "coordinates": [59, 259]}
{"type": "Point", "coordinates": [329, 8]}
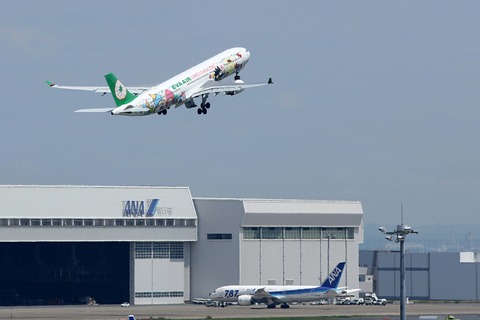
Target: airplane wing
{"type": "Point", "coordinates": [212, 86]}
{"type": "Point", "coordinates": [134, 90]}
{"type": "Point", "coordinates": [263, 295]}
{"type": "Point", "coordinates": [95, 110]}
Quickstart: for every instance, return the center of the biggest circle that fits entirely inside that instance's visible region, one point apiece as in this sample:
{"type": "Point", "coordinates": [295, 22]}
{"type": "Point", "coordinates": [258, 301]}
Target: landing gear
{"type": "Point", "coordinates": [164, 112]}
{"type": "Point", "coordinates": [271, 306]}
{"type": "Point", "coordinates": [284, 306]}
{"type": "Point", "coordinates": [237, 76]}
{"type": "Point", "coordinates": [204, 105]}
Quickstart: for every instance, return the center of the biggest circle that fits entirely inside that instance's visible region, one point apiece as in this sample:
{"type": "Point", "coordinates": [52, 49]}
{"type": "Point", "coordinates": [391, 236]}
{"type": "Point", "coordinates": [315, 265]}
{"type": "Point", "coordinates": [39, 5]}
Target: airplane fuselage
{"type": "Point", "coordinates": [283, 294]}
{"type": "Point", "coordinates": [178, 90]}
{"type": "Point", "coordinates": [246, 295]}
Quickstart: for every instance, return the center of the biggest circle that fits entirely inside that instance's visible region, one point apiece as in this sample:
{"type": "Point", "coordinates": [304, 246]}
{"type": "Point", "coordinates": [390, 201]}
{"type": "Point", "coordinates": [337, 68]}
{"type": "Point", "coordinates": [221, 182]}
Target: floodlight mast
{"type": "Point", "coordinates": [400, 233]}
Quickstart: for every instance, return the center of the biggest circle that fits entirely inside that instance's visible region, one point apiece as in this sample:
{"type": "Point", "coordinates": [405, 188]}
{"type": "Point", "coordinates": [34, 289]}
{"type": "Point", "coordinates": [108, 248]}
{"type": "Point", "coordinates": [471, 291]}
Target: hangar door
{"type": "Point", "coordinates": [46, 273]}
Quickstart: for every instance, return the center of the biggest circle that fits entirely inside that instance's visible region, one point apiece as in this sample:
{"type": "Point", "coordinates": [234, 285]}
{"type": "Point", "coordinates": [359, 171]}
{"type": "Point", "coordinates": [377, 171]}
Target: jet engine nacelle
{"type": "Point", "coordinates": [245, 300]}
{"type": "Point", "coordinates": [232, 93]}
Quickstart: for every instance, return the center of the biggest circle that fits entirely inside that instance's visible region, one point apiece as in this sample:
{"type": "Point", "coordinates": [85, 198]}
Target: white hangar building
{"type": "Point", "coordinates": [158, 245]}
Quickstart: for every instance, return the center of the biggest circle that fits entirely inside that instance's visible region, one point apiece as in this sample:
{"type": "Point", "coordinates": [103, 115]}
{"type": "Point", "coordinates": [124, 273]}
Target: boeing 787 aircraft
{"type": "Point", "coordinates": [197, 82]}
{"type": "Point", "coordinates": [246, 295]}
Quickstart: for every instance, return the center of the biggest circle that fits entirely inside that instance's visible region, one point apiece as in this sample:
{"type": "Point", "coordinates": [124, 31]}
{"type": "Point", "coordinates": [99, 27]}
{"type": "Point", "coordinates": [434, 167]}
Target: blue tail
{"type": "Point", "coordinates": [334, 277]}
{"type": "Point", "coordinates": [131, 317]}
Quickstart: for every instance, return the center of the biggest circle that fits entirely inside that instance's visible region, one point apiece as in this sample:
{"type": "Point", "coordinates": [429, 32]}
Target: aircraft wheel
{"type": "Point", "coordinates": [204, 111]}
{"type": "Point", "coordinates": [271, 306]}
{"type": "Point", "coordinates": [199, 111]}
{"type": "Point", "coordinates": [164, 112]}
{"type": "Point", "coordinates": [284, 306]}
{"type": "Point", "coordinates": [207, 105]}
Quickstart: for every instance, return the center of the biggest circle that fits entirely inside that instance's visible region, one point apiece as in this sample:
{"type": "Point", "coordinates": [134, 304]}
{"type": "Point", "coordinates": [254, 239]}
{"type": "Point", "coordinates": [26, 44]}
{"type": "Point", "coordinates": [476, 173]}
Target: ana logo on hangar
{"type": "Point", "coordinates": [133, 208]}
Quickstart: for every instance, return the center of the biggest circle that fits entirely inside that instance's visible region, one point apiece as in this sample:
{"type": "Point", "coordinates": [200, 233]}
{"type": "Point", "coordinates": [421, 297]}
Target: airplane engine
{"type": "Point", "coordinates": [232, 93]}
{"type": "Point", "coordinates": [245, 300]}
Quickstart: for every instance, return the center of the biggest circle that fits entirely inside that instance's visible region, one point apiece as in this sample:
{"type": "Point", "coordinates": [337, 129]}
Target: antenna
{"type": "Point", "coordinates": [401, 211]}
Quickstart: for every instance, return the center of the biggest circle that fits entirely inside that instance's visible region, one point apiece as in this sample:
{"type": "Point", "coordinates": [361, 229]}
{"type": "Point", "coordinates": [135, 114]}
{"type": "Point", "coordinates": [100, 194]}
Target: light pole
{"type": "Point", "coordinates": [330, 236]}
{"type": "Point", "coordinates": [400, 233]}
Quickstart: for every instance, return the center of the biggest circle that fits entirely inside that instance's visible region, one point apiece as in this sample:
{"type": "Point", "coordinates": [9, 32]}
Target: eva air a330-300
{"type": "Point", "coordinates": [200, 81]}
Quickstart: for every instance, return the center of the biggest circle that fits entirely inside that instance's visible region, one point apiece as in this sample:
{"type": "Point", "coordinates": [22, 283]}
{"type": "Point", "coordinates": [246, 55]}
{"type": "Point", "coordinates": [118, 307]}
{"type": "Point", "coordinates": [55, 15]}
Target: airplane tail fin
{"type": "Point", "coordinates": [131, 317]}
{"type": "Point", "coordinates": [334, 277]}
{"type": "Point", "coordinates": [120, 93]}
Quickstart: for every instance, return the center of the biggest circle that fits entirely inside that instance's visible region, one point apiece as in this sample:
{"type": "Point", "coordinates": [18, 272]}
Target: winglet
{"type": "Point", "coordinates": [334, 277]}
{"type": "Point", "coordinates": [270, 81]}
{"type": "Point", "coordinates": [50, 84]}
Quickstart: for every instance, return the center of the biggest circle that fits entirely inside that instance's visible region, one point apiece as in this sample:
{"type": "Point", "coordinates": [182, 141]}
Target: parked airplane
{"type": "Point", "coordinates": [247, 295]}
{"type": "Point", "coordinates": [197, 82]}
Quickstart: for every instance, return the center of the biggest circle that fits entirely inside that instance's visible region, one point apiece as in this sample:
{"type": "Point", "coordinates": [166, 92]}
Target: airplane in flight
{"type": "Point", "coordinates": [246, 295]}
{"type": "Point", "coordinates": [200, 81]}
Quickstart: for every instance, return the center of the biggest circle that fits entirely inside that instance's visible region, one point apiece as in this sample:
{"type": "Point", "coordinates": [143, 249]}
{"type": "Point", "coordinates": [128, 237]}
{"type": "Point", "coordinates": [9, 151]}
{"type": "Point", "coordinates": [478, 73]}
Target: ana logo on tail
{"type": "Point", "coordinates": [332, 280]}
{"type": "Point", "coordinates": [335, 273]}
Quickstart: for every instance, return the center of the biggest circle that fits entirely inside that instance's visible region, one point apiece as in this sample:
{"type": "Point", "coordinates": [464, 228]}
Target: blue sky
{"type": "Point", "coordinates": [373, 101]}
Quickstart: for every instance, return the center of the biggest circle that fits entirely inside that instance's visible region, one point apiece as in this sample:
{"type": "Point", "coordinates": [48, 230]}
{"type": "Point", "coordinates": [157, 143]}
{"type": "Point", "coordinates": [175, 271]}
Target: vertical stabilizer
{"type": "Point", "coordinates": [131, 317]}
{"type": "Point", "coordinates": [333, 278]}
{"type": "Point", "coordinates": [120, 93]}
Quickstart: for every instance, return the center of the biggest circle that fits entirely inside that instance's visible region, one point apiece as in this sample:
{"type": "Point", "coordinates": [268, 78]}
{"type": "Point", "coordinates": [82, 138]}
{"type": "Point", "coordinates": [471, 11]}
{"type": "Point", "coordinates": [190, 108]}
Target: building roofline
{"type": "Point", "coordinates": [282, 200]}
{"type": "Point", "coordinates": [89, 186]}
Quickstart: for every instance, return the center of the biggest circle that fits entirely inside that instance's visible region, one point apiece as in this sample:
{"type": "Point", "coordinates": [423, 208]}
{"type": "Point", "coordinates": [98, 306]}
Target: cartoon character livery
{"type": "Point", "coordinates": [198, 82]}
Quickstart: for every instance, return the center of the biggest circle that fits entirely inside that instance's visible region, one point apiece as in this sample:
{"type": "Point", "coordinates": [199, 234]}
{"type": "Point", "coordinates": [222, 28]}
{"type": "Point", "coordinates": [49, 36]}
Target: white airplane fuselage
{"type": "Point", "coordinates": [246, 295]}
{"type": "Point", "coordinates": [178, 90]}
{"type": "Point", "coordinates": [284, 294]}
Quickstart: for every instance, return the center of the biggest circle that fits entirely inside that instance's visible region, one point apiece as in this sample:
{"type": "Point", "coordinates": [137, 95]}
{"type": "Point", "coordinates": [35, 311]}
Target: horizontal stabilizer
{"type": "Point", "coordinates": [95, 110]}
{"type": "Point", "coordinates": [349, 292]}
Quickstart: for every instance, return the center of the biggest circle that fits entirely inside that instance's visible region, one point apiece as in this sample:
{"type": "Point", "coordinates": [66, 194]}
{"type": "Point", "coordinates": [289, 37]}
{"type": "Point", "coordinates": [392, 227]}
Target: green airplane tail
{"type": "Point", "coordinates": [120, 93]}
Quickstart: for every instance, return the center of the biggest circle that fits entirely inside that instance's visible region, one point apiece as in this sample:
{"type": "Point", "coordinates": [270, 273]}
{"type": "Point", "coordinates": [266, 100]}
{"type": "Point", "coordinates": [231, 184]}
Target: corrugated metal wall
{"type": "Point", "coordinates": [428, 276]}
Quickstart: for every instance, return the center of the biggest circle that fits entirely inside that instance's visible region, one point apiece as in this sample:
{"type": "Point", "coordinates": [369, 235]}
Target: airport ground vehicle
{"type": "Point", "coordinates": [359, 301]}
{"type": "Point", "coordinates": [372, 299]}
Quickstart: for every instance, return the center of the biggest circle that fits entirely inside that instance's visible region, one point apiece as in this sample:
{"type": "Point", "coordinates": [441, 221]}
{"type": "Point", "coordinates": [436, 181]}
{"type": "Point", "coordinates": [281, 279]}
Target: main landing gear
{"type": "Point", "coordinates": [273, 306]}
{"type": "Point", "coordinates": [204, 105]}
{"type": "Point", "coordinates": [164, 111]}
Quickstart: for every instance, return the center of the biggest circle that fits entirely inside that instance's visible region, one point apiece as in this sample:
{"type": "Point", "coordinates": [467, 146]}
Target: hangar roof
{"type": "Point", "coordinates": [302, 213]}
{"type": "Point", "coordinates": [66, 201]}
